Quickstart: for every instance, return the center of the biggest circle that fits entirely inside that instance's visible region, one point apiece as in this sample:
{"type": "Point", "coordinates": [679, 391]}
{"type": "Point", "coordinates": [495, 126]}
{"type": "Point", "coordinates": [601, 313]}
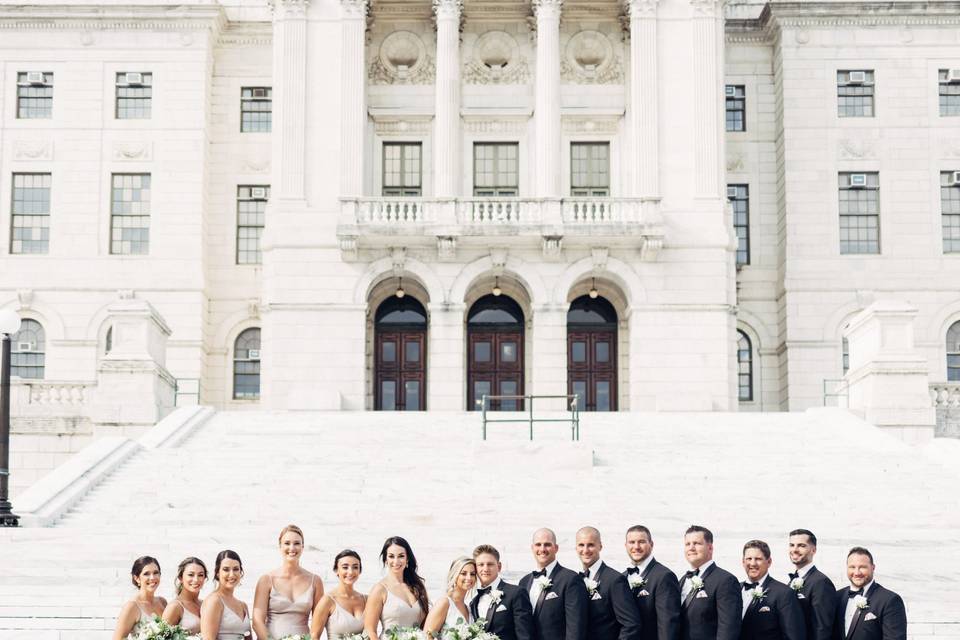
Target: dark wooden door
{"type": "Point", "coordinates": [592, 368]}
{"type": "Point", "coordinates": [495, 367]}
{"type": "Point", "coordinates": [400, 370]}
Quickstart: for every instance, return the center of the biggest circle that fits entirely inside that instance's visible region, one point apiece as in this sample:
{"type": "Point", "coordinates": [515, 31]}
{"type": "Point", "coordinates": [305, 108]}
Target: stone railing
{"type": "Point", "coordinates": [600, 210]}
{"type": "Point", "coordinates": [393, 211]}
{"type": "Point", "coordinates": [498, 211]}
{"type": "Point", "coordinates": [50, 394]}
{"type": "Point", "coordinates": [945, 397]}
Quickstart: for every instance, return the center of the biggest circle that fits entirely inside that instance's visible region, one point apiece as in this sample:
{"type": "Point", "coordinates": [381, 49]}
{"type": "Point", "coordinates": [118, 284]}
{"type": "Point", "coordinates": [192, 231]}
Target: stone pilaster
{"type": "Point", "coordinates": [353, 107]}
{"type": "Point", "coordinates": [547, 114]}
{"type": "Point", "coordinates": [446, 132]}
{"type": "Point", "coordinates": [644, 96]}
{"type": "Point", "coordinates": [289, 98]}
{"type": "Point", "coordinates": [708, 63]}
{"type": "Point", "coordinates": [446, 382]}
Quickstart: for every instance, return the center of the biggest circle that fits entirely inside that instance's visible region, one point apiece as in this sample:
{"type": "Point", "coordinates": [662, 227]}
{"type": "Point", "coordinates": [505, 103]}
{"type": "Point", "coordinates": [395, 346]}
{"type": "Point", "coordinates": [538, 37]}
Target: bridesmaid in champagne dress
{"type": "Point", "coordinates": [400, 599]}
{"type": "Point", "coordinates": [285, 597]}
{"type": "Point", "coordinates": [223, 616]}
{"type": "Point", "coordinates": [184, 610]}
{"type": "Point", "coordinates": [454, 609]}
{"type": "Point", "coordinates": [145, 575]}
{"type": "Point", "coordinates": [340, 612]}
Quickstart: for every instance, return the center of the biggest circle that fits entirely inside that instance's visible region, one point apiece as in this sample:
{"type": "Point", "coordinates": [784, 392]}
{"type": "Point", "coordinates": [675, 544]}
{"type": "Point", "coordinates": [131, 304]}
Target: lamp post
{"type": "Point", "coordinates": [9, 325]}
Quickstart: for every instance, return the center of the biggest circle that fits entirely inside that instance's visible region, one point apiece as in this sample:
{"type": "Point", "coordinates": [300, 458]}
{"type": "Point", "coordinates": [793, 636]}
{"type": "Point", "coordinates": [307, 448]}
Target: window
{"type": "Point", "coordinates": [950, 210]}
{"type": "Point", "coordinates": [845, 354]}
{"type": "Point", "coordinates": [855, 94]}
{"type": "Point", "coordinates": [949, 92]}
{"type": "Point", "coordinates": [495, 169]}
{"type": "Point", "coordinates": [30, 219]}
{"type": "Point", "coordinates": [251, 209]}
{"type": "Point", "coordinates": [953, 352]}
{"type": "Point", "coordinates": [246, 365]}
{"type": "Point", "coordinates": [590, 169]}
{"type": "Point", "coordinates": [402, 169]}
{"type": "Point", "coordinates": [744, 367]}
{"type": "Point", "coordinates": [736, 107]}
{"type": "Point", "coordinates": [130, 214]}
{"type": "Point", "coordinates": [256, 109]}
{"type": "Point", "coordinates": [108, 341]}
{"type": "Point", "coordinates": [739, 196]}
{"type": "Point", "coordinates": [27, 350]}
{"type": "Point", "coordinates": [859, 213]}
{"type": "Point", "coordinates": [34, 94]}
{"type": "Point", "coordinates": [134, 95]}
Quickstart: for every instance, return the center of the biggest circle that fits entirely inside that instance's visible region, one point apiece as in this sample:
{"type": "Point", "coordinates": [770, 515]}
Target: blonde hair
{"type": "Point", "coordinates": [455, 570]}
{"type": "Point", "coordinates": [290, 528]}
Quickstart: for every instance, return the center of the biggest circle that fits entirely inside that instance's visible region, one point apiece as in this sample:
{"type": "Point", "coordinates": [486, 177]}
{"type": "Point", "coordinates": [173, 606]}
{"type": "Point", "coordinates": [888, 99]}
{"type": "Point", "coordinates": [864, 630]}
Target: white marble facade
{"type": "Point", "coordinates": [646, 78]}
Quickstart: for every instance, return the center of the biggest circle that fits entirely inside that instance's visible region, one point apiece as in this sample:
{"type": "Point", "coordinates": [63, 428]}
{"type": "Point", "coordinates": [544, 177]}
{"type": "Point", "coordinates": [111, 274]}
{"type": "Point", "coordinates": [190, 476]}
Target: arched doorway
{"type": "Point", "coordinates": [592, 353]}
{"type": "Point", "coordinates": [495, 352]}
{"type": "Point", "coordinates": [400, 361]}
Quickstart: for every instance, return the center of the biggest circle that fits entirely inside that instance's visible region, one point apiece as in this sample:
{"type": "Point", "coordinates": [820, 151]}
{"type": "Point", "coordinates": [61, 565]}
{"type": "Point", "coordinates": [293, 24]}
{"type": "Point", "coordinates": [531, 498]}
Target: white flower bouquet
{"type": "Point", "coordinates": [157, 629]}
{"type": "Point", "coordinates": [464, 631]}
{"type": "Point", "coordinates": [296, 636]}
{"type": "Point", "coordinates": [405, 633]}
{"type": "Point", "coordinates": [353, 636]}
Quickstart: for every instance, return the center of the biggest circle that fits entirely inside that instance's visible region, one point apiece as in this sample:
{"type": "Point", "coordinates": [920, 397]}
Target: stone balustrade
{"type": "Point", "coordinates": [28, 395]}
{"type": "Point", "coordinates": [393, 211]}
{"type": "Point", "coordinates": [498, 211]}
{"type": "Point", "coordinates": [600, 210]}
{"type": "Point", "coordinates": [945, 397]}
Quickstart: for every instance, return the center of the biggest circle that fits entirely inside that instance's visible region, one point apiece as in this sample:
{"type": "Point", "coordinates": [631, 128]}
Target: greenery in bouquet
{"type": "Point", "coordinates": [157, 629]}
{"type": "Point", "coordinates": [464, 631]}
{"type": "Point", "coordinates": [405, 633]}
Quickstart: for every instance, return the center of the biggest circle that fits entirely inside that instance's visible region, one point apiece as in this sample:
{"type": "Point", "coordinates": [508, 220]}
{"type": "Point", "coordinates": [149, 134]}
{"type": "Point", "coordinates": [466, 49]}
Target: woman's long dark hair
{"type": "Point", "coordinates": [410, 576]}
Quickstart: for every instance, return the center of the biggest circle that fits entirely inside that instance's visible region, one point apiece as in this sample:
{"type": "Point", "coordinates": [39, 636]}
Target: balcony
{"type": "Point", "coordinates": [372, 223]}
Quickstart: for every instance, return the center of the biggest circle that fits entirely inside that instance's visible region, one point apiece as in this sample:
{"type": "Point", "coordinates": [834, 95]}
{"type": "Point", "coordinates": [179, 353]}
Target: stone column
{"type": "Point", "coordinates": [547, 114]}
{"type": "Point", "coordinates": [888, 381]}
{"type": "Point", "coordinates": [644, 96]}
{"type": "Point", "coordinates": [353, 103]}
{"type": "Point", "coordinates": [549, 356]}
{"type": "Point", "coordinates": [446, 367]}
{"type": "Point", "coordinates": [708, 57]}
{"type": "Point", "coordinates": [446, 130]}
{"type": "Point", "coordinates": [289, 98]}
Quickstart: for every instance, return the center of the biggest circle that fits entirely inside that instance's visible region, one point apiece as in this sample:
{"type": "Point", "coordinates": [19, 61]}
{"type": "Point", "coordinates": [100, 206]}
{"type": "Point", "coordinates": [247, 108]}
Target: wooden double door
{"type": "Point", "coordinates": [495, 367]}
{"type": "Point", "coordinates": [592, 367]}
{"type": "Point", "coordinates": [401, 372]}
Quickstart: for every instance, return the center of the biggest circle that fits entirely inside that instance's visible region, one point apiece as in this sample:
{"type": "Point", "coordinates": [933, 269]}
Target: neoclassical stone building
{"type": "Point", "coordinates": [407, 204]}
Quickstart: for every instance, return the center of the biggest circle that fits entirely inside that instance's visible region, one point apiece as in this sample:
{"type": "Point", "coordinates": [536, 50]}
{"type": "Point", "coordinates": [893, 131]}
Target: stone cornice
{"type": "Point", "coordinates": [247, 33]}
{"type": "Point", "coordinates": [27, 17]}
{"type": "Point", "coordinates": [836, 14]}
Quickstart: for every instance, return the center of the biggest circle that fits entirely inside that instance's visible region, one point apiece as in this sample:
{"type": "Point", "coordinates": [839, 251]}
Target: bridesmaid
{"type": "Point", "coordinates": [184, 610]}
{"type": "Point", "coordinates": [453, 609]}
{"type": "Point", "coordinates": [400, 599]}
{"type": "Point", "coordinates": [286, 596]}
{"type": "Point", "coordinates": [223, 616]}
{"type": "Point", "coordinates": [145, 575]}
{"type": "Point", "coordinates": [340, 611]}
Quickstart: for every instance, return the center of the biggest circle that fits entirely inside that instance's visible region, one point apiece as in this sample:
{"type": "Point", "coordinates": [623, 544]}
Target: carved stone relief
{"type": "Point", "coordinates": [402, 59]}
{"type": "Point", "coordinates": [496, 59]}
{"type": "Point", "coordinates": [855, 149]}
{"type": "Point", "coordinates": [137, 151]}
{"type": "Point", "coordinates": [33, 150]}
{"type": "Point", "coordinates": [589, 58]}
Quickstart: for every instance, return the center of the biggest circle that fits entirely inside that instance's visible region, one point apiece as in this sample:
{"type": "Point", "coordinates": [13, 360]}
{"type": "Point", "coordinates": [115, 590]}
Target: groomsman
{"type": "Point", "coordinates": [613, 611]}
{"type": "Point", "coordinates": [558, 595]}
{"type": "Point", "coordinates": [865, 610]}
{"type": "Point", "coordinates": [815, 591]}
{"type": "Point", "coordinates": [655, 587]}
{"type": "Point", "coordinates": [771, 611]}
{"type": "Point", "coordinates": [711, 608]}
{"type": "Point", "coordinates": [504, 606]}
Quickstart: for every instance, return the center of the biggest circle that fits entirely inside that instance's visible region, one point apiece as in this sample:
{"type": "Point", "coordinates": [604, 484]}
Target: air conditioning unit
{"type": "Point", "coordinates": [858, 180]}
{"type": "Point", "coordinates": [953, 76]}
{"type": "Point", "coordinates": [133, 79]}
{"type": "Point", "coordinates": [856, 77]}
{"type": "Point", "coordinates": [260, 93]}
{"type": "Point", "coordinates": [24, 346]}
{"type": "Point", "coordinates": [953, 179]}
{"type": "Point", "coordinates": [35, 77]}
{"type": "Point", "coordinates": [731, 91]}
{"type": "Point", "coordinates": [258, 193]}
{"type": "Point", "coordinates": [253, 354]}
{"type": "Point", "coordinates": [731, 192]}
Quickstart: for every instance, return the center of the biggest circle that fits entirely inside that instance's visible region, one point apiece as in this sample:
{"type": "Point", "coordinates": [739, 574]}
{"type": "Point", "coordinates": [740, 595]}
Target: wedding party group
{"type": "Point", "coordinates": [645, 601]}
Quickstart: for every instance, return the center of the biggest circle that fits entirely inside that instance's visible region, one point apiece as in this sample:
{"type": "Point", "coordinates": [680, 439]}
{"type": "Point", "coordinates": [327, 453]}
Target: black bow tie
{"type": "Point", "coordinates": [482, 591]}
{"type": "Point", "coordinates": [690, 574]}
{"type": "Point", "coordinates": [795, 575]}
{"type": "Point", "coordinates": [633, 570]}
{"type": "Point", "coordinates": [584, 574]}
{"type": "Point", "coordinates": [854, 594]}
{"type": "Point", "coordinates": [539, 574]}
{"type": "Point", "coordinates": [749, 586]}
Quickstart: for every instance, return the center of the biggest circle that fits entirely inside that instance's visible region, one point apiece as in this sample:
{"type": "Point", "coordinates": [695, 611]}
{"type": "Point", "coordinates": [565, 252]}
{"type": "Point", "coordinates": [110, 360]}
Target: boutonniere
{"type": "Point", "coordinates": [591, 586]}
{"type": "Point", "coordinates": [758, 593]}
{"type": "Point", "coordinates": [636, 581]}
{"type": "Point", "coordinates": [860, 602]}
{"type": "Point", "coordinates": [495, 595]}
{"type": "Point", "coordinates": [697, 583]}
{"type": "Point", "coordinates": [543, 582]}
{"type": "Point", "coordinates": [796, 584]}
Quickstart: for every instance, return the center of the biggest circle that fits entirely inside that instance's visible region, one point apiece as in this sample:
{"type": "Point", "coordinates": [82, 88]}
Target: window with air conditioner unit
{"type": "Point", "coordinates": [256, 109]}
{"type": "Point", "coordinates": [950, 213]}
{"type": "Point", "coordinates": [855, 93]}
{"type": "Point", "coordinates": [857, 77]}
{"type": "Point", "coordinates": [859, 208]}
{"type": "Point", "coordinates": [134, 95]}
{"type": "Point", "coordinates": [731, 192]}
{"type": "Point", "coordinates": [953, 178]}
{"type": "Point", "coordinates": [949, 91]}
{"type": "Point", "coordinates": [34, 94]}
{"type": "Point", "coordinates": [133, 79]}
{"type": "Point", "coordinates": [730, 91]}
{"type": "Point", "coordinates": [858, 180]}
{"type": "Point", "coordinates": [258, 193]}
{"type": "Point", "coordinates": [35, 77]}
{"type": "Point", "coordinates": [953, 76]}
{"type": "Point", "coordinates": [251, 219]}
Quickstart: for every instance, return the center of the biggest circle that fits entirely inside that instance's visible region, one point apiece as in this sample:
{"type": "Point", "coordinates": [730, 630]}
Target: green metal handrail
{"type": "Point", "coordinates": [574, 419]}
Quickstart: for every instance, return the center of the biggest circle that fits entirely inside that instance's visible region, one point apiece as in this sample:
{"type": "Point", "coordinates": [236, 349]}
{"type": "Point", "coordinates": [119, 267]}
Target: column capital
{"type": "Point", "coordinates": [547, 9]}
{"type": "Point", "coordinates": [637, 9]}
{"type": "Point", "coordinates": [449, 9]}
{"type": "Point", "coordinates": [706, 8]}
{"type": "Point", "coordinates": [355, 8]}
{"type": "Point", "coordinates": [289, 8]}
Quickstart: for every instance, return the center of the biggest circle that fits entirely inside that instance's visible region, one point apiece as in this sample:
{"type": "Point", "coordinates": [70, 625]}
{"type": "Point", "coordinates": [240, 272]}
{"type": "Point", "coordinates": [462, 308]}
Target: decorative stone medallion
{"type": "Point", "coordinates": [589, 58]}
{"type": "Point", "coordinates": [496, 60]}
{"type": "Point", "coordinates": [402, 59]}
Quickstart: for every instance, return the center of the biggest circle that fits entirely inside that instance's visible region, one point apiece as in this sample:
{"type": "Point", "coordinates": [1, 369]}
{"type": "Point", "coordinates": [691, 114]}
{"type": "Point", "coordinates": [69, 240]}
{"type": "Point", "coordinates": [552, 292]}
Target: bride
{"type": "Point", "coordinates": [453, 609]}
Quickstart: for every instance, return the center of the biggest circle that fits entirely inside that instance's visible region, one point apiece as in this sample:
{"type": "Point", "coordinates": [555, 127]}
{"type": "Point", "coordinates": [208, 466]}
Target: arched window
{"type": "Point", "coordinates": [27, 351]}
{"type": "Point", "coordinates": [495, 353]}
{"type": "Point", "coordinates": [744, 367]}
{"type": "Point", "coordinates": [400, 340]}
{"type": "Point", "coordinates": [953, 352]}
{"type": "Point", "coordinates": [592, 353]}
{"type": "Point", "coordinates": [845, 349]}
{"type": "Point", "coordinates": [108, 341]}
{"type": "Point", "coordinates": [246, 365]}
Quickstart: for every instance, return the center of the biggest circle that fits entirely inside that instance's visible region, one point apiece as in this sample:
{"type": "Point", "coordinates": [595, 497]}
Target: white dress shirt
{"type": "Point", "coordinates": [484, 602]}
{"type": "Point", "coordinates": [748, 596]}
{"type": "Point", "coordinates": [801, 573]}
{"type": "Point", "coordinates": [688, 584]}
{"type": "Point", "coordinates": [592, 571]}
{"type": "Point", "coordinates": [851, 609]}
{"type": "Point", "coordinates": [535, 588]}
{"type": "Point", "coordinates": [644, 564]}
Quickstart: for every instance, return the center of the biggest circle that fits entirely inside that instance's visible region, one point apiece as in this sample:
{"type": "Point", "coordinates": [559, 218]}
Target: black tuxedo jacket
{"type": "Point", "coordinates": [775, 616]}
{"type": "Point", "coordinates": [561, 611]}
{"type": "Point", "coordinates": [818, 600]}
{"type": "Point", "coordinates": [884, 618]}
{"type": "Point", "coordinates": [512, 617]}
{"type": "Point", "coordinates": [714, 612]}
{"type": "Point", "coordinates": [659, 602]}
{"type": "Point", "coordinates": [613, 611]}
